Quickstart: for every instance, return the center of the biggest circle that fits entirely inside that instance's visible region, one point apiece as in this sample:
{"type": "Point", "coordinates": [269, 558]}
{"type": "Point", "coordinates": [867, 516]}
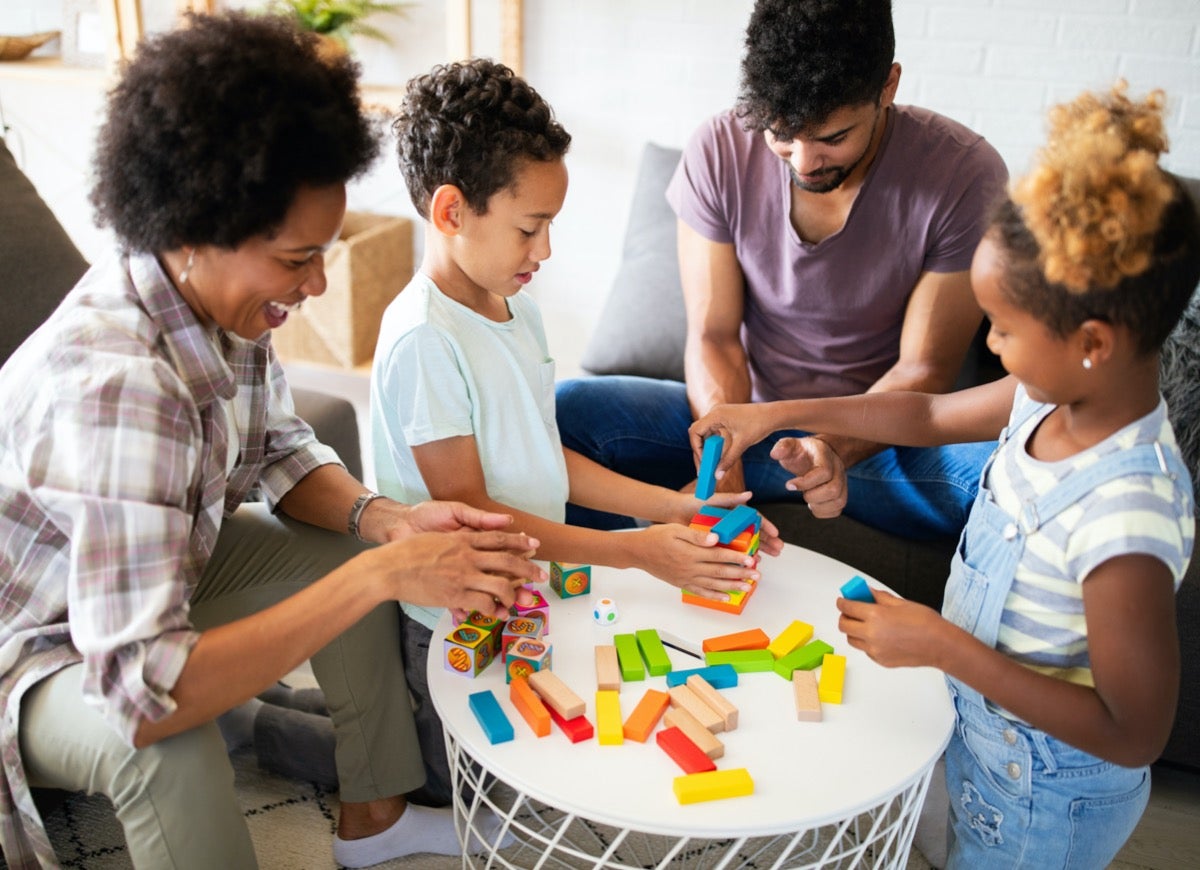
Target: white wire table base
{"type": "Point", "coordinates": [880, 837]}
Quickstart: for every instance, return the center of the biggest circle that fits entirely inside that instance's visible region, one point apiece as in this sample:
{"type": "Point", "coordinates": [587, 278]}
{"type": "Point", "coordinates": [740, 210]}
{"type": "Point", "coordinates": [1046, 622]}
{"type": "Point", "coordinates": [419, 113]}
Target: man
{"type": "Point", "coordinates": [825, 236]}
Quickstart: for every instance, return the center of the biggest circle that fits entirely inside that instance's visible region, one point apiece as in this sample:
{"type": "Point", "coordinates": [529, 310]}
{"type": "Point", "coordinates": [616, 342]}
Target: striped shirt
{"type": "Point", "coordinates": [1043, 624]}
{"type": "Point", "coordinates": [114, 481]}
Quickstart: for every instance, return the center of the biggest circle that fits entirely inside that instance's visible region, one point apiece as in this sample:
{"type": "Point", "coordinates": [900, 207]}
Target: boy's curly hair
{"type": "Point", "coordinates": [213, 128]}
{"type": "Point", "coordinates": [805, 59]}
{"type": "Point", "coordinates": [471, 124]}
{"type": "Point", "coordinates": [1097, 230]}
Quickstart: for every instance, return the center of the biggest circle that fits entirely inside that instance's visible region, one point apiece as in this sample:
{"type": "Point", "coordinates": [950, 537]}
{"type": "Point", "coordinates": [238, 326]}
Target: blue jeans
{"type": "Point", "coordinates": [638, 427]}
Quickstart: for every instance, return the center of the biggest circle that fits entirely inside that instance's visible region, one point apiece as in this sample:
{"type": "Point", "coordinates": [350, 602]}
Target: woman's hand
{"type": "Point", "coordinates": [689, 559]}
{"type": "Point", "coordinates": [742, 426]}
{"type": "Point", "coordinates": [893, 631]}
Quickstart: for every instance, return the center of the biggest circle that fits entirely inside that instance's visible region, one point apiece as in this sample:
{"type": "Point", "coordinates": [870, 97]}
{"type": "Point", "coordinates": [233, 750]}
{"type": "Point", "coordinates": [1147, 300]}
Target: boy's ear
{"type": "Point", "coordinates": [445, 209]}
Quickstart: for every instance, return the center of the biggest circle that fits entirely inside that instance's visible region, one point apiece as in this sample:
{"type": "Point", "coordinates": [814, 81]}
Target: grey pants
{"type": "Point", "coordinates": [175, 799]}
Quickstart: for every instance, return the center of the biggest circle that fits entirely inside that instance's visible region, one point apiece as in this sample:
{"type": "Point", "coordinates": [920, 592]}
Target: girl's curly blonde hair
{"type": "Point", "coordinates": [1096, 197]}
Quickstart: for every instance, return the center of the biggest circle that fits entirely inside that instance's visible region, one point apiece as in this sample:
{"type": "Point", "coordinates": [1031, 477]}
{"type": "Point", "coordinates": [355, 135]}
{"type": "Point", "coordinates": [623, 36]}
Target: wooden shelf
{"type": "Point", "coordinates": [52, 69]}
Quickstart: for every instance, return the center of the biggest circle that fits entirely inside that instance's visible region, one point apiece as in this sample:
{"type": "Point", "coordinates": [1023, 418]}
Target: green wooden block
{"type": "Point", "coordinates": [744, 661]}
{"type": "Point", "coordinates": [629, 657]}
{"type": "Point", "coordinates": [804, 659]}
{"type": "Point", "coordinates": [655, 654]}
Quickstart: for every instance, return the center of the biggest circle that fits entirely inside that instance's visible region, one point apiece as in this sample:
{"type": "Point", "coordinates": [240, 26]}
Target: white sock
{"type": "Point", "coordinates": [419, 829]}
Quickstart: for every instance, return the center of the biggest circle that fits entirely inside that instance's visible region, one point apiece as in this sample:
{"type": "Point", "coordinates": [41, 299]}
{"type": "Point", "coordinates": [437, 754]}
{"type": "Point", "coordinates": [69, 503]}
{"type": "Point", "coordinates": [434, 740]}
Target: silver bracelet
{"type": "Point", "coordinates": [356, 512]}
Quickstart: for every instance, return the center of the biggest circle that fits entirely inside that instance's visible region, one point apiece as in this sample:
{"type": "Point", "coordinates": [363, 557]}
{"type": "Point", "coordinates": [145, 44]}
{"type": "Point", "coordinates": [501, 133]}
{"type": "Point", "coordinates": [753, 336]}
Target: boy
{"type": "Point", "coordinates": [462, 387]}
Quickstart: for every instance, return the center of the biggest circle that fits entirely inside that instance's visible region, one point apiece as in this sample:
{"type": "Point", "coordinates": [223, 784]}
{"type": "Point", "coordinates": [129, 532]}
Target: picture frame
{"type": "Point", "coordinates": [84, 40]}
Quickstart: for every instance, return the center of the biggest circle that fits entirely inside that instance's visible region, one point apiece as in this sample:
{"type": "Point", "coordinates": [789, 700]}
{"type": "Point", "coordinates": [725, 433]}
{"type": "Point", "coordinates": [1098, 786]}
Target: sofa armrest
{"type": "Point", "coordinates": [335, 422]}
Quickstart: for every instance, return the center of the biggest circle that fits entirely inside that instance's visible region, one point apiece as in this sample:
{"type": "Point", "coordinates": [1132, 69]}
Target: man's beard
{"type": "Point", "coordinates": [831, 179]}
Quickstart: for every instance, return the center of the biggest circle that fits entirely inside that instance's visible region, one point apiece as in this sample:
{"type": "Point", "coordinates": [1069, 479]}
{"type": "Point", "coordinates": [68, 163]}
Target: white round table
{"type": "Point", "coordinates": [838, 792]}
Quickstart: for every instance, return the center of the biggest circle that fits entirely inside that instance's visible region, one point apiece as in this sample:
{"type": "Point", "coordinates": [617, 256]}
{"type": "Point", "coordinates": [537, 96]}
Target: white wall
{"type": "Point", "coordinates": [621, 72]}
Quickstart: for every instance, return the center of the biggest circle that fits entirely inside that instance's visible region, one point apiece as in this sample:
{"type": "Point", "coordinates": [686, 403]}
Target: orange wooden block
{"type": "Point", "coordinates": [646, 715]}
{"type": "Point", "coordinates": [529, 705]}
{"type": "Point", "coordinates": [755, 638]}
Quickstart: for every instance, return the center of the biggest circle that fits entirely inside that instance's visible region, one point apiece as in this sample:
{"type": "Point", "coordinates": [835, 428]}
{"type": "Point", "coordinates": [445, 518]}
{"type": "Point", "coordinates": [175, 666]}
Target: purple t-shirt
{"type": "Point", "coordinates": [825, 319]}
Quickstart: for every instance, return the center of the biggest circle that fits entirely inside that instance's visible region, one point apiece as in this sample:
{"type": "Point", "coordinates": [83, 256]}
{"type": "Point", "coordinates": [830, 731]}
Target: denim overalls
{"type": "Point", "coordinates": [1019, 797]}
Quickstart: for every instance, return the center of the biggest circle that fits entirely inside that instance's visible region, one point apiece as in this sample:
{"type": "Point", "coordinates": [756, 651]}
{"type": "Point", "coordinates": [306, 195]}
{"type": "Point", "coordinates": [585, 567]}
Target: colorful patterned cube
{"type": "Point", "coordinates": [467, 650]}
{"type": "Point", "coordinates": [491, 624]}
{"type": "Point", "coordinates": [520, 628]}
{"type": "Point", "coordinates": [569, 580]}
{"type": "Point", "coordinates": [539, 607]}
{"type": "Point", "coordinates": [526, 657]}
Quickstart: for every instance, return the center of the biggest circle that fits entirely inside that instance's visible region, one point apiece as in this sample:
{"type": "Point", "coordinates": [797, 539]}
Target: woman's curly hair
{"type": "Point", "coordinates": [805, 59]}
{"type": "Point", "coordinates": [1097, 230]}
{"type": "Point", "coordinates": [215, 126]}
{"type": "Point", "coordinates": [471, 124]}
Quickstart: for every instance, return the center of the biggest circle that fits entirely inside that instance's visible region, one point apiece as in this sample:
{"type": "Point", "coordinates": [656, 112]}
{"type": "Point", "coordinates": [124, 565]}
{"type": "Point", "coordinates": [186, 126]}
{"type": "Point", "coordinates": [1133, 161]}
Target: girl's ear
{"type": "Point", "coordinates": [445, 209]}
{"type": "Point", "coordinates": [1097, 341]}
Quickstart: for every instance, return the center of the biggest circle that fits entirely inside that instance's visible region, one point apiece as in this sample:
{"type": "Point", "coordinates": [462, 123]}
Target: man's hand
{"type": "Point", "coordinates": [819, 473]}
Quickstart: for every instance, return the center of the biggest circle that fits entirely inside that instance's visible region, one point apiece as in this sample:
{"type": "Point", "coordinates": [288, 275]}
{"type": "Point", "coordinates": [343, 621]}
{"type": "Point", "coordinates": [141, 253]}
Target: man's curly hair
{"type": "Point", "coordinates": [214, 127]}
{"type": "Point", "coordinates": [471, 124]}
{"type": "Point", "coordinates": [1097, 230]}
{"type": "Point", "coordinates": [805, 59]}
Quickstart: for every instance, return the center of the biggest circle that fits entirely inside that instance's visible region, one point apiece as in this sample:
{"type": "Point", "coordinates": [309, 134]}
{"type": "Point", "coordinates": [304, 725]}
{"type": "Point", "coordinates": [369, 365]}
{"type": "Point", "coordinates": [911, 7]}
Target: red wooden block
{"type": "Point", "coordinates": [576, 729]}
{"type": "Point", "coordinates": [683, 751]}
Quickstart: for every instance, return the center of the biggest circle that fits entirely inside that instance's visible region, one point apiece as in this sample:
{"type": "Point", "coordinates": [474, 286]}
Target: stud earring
{"type": "Point", "coordinates": [1087, 362]}
{"type": "Point", "coordinates": [187, 270]}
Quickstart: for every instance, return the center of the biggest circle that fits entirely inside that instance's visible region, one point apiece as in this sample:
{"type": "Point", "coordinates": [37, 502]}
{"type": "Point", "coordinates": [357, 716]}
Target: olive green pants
{"type": "Point", "coordinates": [175, 799]}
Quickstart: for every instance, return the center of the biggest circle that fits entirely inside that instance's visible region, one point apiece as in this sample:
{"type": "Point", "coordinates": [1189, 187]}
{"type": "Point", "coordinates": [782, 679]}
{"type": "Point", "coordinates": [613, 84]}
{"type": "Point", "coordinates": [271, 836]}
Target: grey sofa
{"type": "Point", "coordinates": [39, 264]}
{"type": "Point", "coordinates": [641, 332]}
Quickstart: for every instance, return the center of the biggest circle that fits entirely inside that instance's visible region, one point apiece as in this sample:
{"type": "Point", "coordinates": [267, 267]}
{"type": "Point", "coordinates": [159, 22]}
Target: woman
{"type": "Point", "coordinates": [139, 597]}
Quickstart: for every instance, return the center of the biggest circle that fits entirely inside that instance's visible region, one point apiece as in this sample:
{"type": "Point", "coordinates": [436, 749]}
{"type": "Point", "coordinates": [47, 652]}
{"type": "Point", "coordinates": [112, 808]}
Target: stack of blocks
{"type": "Point", "coordinates": [736, 529]}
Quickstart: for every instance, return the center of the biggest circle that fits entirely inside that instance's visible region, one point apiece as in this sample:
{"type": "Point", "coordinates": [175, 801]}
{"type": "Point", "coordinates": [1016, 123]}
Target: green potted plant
{"type": "Point", "coordinates": [337, 20]}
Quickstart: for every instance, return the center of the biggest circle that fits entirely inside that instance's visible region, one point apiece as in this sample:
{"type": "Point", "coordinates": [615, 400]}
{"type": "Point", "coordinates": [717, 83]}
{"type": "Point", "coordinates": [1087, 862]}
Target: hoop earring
{"type": "Point", "coordinates": [1087, 363]}
{"type": "Point", "coordinates": [187, 270]}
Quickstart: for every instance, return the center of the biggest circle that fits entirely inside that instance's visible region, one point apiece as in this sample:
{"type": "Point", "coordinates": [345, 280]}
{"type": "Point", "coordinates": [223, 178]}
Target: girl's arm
{"type": "Point", "coordinates": [1129, 602]}
{"type": "Point", "coordinates": [681, 556]}
{"type": "Point", "coordinates": [896, 417]}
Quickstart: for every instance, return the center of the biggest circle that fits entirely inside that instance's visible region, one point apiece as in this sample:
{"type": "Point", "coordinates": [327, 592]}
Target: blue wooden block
{"type": "Point", "coordinates": [717, 676]}
{"type": "Point", "coordinates": [491, 718]}
{"type": "Point", "coordinates": [706, 480]}
{"type": "Point", "coordinates": [711, 510]}
{"type": "Point", "coordinates": [735, 522]}
{"type": "Point", "coordinates": [856, 589]}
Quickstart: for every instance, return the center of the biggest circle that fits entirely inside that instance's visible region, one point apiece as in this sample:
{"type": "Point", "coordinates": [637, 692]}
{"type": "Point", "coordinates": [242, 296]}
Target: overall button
{"type": "Point", "coordinates": [1010, 531]}
{"type": "Point", "coordinates": [1014, 770]}
{"type": "Point", "coordinates": [1010, 736]}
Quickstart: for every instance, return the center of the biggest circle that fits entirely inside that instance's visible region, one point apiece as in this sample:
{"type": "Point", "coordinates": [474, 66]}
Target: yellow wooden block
{"type": "Point", "coordinates": [833, 677]}
{"type": "Point", "coordinates": [609, 728]}
{"type": "Point", "coordinates": [791, 638]}
{"type": "Point", "coordinates": [713, 785]}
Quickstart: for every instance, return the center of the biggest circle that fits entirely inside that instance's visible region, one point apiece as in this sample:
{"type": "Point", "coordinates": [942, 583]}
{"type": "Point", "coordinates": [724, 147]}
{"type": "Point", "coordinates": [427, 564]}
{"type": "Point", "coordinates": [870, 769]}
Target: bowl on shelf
{"type": "Point", "coordinates": [20, 47]}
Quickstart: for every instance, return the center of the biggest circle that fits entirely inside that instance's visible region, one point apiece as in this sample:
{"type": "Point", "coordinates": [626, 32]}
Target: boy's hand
{"type": "Point", "coordinates": [892, 631]}
{"type": "Point", "coordinates": [689, 559]}
{"type": "Point", "coordinates": [740, 425]}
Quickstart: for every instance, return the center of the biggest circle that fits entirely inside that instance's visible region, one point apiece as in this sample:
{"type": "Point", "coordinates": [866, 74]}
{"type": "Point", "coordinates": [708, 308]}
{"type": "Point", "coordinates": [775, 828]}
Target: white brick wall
{"type": "Point", "coordinates": [621, 72]}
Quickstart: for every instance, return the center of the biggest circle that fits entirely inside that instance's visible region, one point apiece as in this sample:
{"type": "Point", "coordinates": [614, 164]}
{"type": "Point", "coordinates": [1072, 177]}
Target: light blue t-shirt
{"type": "Point", "coordinates": [441, 370]}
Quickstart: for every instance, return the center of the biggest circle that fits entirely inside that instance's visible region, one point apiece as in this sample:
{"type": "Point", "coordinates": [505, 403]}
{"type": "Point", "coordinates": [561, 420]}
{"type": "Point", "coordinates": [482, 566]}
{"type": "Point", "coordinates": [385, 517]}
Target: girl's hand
{"type": "Point", "coordinates": [688, 506]}
{"type": "Point", "coordinates": [742, 426]}
{"type": "Point", "coordinates": [689, 559]}
{"type": "Point", "coordinates": [892, 631]}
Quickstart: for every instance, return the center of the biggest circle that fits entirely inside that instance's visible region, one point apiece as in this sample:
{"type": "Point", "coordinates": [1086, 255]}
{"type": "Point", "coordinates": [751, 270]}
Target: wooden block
{"type": "Point", "coordinates": [655, 654]}
{"type": "Point", "coordinates": [710, 696]}
{"type": "Point", "coordinates": [556, 694]}
{"type": "Point", "coordinates": [608, 718]}
{"type": "Point", "coordinates": [706, 478]}
{"type": "Point", "coordinates": [754, 638]}
{"type": "Point", "coordinates": [630, 657]}
{"type": "Point", "coordinates": [711, 510]}
{"type": "Point", "coordinates": [791, 638]}
{"type": "Point", "coordinates": [717, 676]}
{"type": "Point", "coordinates": [833, 678]}
{"type": "Point", "coordinates": [677, 717]}
{"type": "Point", "coordinates": [856, 589]}
{"type": "Point", "coordinates": [685, 699]}
{"type": "Point", "coordinates": [683, 752]}
{"type": "Point", "coordinates": [804, 659]}
{"type": "Point", "coordinates": [735, 522]}
{"type": "Point", "coordinates": [576, 729]}
{"type": "Point", "coordinates": [490, 717]}
{"type": "Point", "coordinates": [808, 701]}
{"type": "Point", "coordinates": [744, 661]}
{"type": "Point", "coordinates": [646, 715]}
{"type": "Point", "coordinates": [529, 705]}
{"type": "Point", "coordinates": [713, 785]}
{"type": "Point", "coordinates": [608, 671]}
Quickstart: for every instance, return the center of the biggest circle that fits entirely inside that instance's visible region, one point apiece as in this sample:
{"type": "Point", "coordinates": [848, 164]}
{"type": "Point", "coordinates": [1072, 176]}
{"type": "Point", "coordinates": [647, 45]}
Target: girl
{"type": "Point", "coordinates": [1057, 634]}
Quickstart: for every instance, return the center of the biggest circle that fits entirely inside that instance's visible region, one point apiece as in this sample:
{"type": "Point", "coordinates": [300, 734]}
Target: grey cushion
{"type": "Point", "coordinates": [38, 261]}
{"type": "Point", "coordinates": [642, 327]}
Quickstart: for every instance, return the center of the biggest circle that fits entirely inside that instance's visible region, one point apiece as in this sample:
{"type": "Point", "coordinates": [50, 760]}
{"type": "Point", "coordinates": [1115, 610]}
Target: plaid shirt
{"type": "Point", "coordinates": [114, 481]}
